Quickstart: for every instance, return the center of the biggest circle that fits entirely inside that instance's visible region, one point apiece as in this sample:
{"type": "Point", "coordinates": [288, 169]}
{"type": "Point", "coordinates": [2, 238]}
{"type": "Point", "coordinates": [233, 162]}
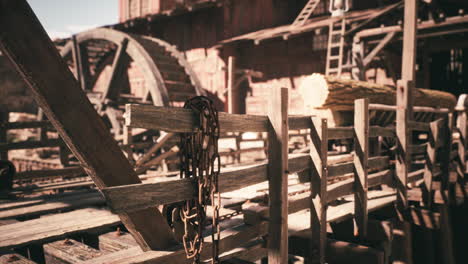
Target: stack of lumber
{"type": "Point", "coordinates": [333, 97]}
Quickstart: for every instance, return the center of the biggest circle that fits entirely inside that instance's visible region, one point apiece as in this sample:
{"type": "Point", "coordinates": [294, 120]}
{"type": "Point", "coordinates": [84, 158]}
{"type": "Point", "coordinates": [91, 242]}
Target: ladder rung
{"type": "Point", "coordinates": [335, 57]}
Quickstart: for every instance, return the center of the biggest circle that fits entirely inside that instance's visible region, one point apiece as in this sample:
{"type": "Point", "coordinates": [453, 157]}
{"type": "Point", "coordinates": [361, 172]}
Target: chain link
{"type": "Point", "coordinates": [200, 160]}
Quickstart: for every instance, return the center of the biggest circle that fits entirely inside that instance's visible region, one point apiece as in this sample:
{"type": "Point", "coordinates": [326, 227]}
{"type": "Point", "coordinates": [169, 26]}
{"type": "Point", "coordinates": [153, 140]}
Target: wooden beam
{"type": "Point", "coordinates": [361, 160]}
{"type": "Point", "coordinates": [408, 70]}
{"type": "Point", "coordinates": [462, 126]}
{"type": "Point", "coordinates": [67, 107]}
{"type": "Point", "coordinates": [80, 58]}
{"type": "Point", "coordinates": [278, 176]}
{"type": "Point", "coordinates": [112, 89]}
{"type": "Point", "coordinates": [318, 179]}
{"type": "Point", "coordinates": [54, 227]}
{"type": "Point", "coordinates": [3, 133]}
{"type": "Point", "coordinates": [231, 89]}
{"type": "Point", "coordinates": [69, 251]}
{"type": "Point", "coordinates": [405, 89]}
{"type": "Point", "coordinates": [378, 48]}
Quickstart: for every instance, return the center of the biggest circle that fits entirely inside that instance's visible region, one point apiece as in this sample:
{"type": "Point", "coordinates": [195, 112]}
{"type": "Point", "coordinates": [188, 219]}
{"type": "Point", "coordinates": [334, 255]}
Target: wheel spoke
{"type": "Point", "coordinates": [119, 65]}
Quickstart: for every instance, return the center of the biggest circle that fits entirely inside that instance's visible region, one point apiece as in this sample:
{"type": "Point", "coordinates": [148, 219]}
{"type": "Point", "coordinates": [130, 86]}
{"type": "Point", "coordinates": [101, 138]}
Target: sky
{"type": "Point", "coordinates": [63, 18]}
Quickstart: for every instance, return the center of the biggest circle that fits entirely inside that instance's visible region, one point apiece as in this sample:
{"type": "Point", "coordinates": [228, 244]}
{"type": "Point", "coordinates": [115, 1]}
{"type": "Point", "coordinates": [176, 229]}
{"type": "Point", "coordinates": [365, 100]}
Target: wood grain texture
{"type": "Point", "coordinates": [361, 164]}
{"type": "Point", "coordinates": [54, 227]}
{"type": "Point", "coordinates": [278, 176]}
{"type": "Point", "coordinates": [68, 108]}
{"type": "Point", "coordinates": [319, 179]}
{"type": "Point", "coordinates": [137, 196]}
{"type": "Point", "coordinates": [69, 251]}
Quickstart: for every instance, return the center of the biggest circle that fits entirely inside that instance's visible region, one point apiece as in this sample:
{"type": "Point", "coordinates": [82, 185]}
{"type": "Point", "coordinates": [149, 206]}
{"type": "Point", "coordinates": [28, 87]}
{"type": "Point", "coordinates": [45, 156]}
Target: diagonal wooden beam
{"type": "Point", "coordinates": [26, 44]}
{"type": "Point", "coordinates": [378, 48]}
{"type": "Point", "coordinates": [119, 65]}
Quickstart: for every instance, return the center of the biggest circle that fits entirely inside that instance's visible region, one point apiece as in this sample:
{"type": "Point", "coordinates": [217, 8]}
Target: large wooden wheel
{"type": "Point", "coordinates": [102, 60]}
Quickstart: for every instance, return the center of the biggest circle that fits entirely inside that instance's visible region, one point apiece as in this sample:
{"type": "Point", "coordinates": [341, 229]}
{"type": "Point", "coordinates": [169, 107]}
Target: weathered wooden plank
{"type": "Point", "coordinates": [179, 120]}
{"type": "Point", "coordinates": [71, 202]}
{"type": "Point", "coordinates": [361, 164]}
{"type": "Point", "coordinates": [378, 131]}
{"type": "Point", "coordinates": [462, 126]}
{"type": "Point", "coordinates": [36, 174]}
{"type": "Point", "coordinates": [319, 175]}
{"type": "Point", "coordinates": [4, 119]}
{"type": "Point", "coordinates": [338, 252]}
{"type": "Point", "coordinates": [404, 98]}
{"type": "Point", "coordinates": [404, 105]}
{"type": "Point", "coordinates": [48, 228]}
{"type": "Point", "coordinates": [340, 133]}
{"type": "Point", "coordinates": [68, 108]}
{"type": "Point", "coordinates": [31, 144]}
{"type": "Point", "coordinates": [118, 70]}
{"type": "Point", "coordinates": [232, 238]}
{"type": "Point", "coordinates": [278, 176]}
{"type": "Point", "coordinates": [137, 196]}
{"type": "Point", "coordinates": [341, 169]}
{"type": "Point", "coordinates": [69, 251]}
{"type": "Point", "coordinates": [116, 241]}
{"type": "Point", "coordinates": [27, 125]}
{"type": "Point", "coordinates": [13, 258]}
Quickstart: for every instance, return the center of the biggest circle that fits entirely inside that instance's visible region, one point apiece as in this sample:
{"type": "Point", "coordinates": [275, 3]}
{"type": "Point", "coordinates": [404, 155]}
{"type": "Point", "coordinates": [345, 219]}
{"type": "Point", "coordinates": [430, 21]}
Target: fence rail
{"type": "Point", "coordinates": [368, 171]}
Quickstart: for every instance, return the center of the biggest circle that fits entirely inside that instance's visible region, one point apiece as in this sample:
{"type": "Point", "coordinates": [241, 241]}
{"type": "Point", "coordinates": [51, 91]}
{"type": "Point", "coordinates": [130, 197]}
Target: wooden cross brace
{"type": "Point", "coordinates": [25, 43]}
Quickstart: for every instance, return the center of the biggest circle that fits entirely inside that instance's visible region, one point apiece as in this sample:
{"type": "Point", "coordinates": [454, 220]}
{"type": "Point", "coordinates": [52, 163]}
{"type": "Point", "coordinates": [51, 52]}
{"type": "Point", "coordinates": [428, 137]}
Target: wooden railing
{"type": "Point", "coordinates": [315, 166]}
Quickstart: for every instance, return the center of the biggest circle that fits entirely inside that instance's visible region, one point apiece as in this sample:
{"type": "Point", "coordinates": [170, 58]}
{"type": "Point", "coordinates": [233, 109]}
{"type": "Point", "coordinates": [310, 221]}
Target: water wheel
{"type": "Point", "coordinates": [116, 68]}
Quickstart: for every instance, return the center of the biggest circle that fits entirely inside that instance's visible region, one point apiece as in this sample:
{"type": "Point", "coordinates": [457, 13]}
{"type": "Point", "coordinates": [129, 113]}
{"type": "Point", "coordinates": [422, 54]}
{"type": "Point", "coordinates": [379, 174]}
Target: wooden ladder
{"type": "Point", "coordinates": [305, 13]}
{"type": "Point", "coordinates": [335, 49]}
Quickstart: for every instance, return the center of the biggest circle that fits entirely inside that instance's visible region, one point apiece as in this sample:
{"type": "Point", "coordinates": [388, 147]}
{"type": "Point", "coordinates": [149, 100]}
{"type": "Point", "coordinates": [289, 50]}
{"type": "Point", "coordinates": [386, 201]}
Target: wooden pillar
{"type": "Point", "coordinates": [462, 123]}
{"type": "Point", "coordinates": [405, 88]}
{"type": "Point", "coordinates": [232, 93]}
{"type": "Point", "coordinates": [278, 176]}
{"type": "Point", "coordinates": [430, 163]}
{"type": "Point", "coordinates": [3, 133]}
{"type": "Point", "coordinates": [69, 110]}
{"type": "Point", "coordinates": [318, 184]}
{"type": "Point", "coordinates": [361, 157]}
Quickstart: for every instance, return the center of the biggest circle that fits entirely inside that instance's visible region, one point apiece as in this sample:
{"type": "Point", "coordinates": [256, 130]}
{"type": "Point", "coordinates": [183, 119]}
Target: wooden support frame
{"type": "Point", "coordinates": [67, 107]}
{"type": "Point", "coordinates": [319, 175]}
{"type": "Point", "coordinates": [4, 116]}
{"type": "Point", "coordinates": [404, 99]}
{"type": "Point", "coordinates": [278, 176]}
{"type": "Point", "coordinates": [361, 160]}
{"type": "Point", "coordinates": [118, 66]}
{"type": "Point", "coordinates": [462, 127]}
{"type": "Point", "coordinates": [231, 89]}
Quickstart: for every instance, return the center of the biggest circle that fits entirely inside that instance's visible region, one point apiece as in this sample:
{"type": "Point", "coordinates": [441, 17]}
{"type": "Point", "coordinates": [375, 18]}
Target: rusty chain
{"type": "Point", "coordinates": [200, 160]}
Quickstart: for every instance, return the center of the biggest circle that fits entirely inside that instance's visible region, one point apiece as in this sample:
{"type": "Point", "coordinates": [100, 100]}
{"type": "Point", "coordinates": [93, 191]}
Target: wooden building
{"type": "Point", "coordinates": [259, 35]}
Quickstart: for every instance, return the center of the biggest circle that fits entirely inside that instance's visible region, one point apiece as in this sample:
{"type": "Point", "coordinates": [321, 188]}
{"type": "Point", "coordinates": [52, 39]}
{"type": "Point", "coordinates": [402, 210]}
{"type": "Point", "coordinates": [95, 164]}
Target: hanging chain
{"type": "Point", "coordinates": [199, 160]}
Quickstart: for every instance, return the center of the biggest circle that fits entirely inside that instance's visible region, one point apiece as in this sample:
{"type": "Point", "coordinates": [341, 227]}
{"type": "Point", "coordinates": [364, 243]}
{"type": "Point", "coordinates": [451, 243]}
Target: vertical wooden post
{"type": "Point", "coordinates": [405, 88]}
{"type": "Point", "coordinates": [3, 133]}
{"type": "Point", "coordinates": [318, 184]}
{"type": "Point", "coordinates": [232, 94]}
{"type": "Point", "coordinates": [128, 140]}
{"type": "Point", "coordinates": [278, 176]}
{"type": "Point", "coordinates": [69, 110]}
{"type": "Point", "coordinates": [80, 58]}
{"type": "Point", "coordinates": [430, 163]}
{"type": "Point", "coordinates": [361, 157]}
{"type": "Point", "coordinates": [462, 123]}
{"type": "Point", "coordinates": [446, 133]}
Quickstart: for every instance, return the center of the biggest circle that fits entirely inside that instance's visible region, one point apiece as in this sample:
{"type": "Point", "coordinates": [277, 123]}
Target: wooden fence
{"type": "Point", "coordinates": [369, 172]}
